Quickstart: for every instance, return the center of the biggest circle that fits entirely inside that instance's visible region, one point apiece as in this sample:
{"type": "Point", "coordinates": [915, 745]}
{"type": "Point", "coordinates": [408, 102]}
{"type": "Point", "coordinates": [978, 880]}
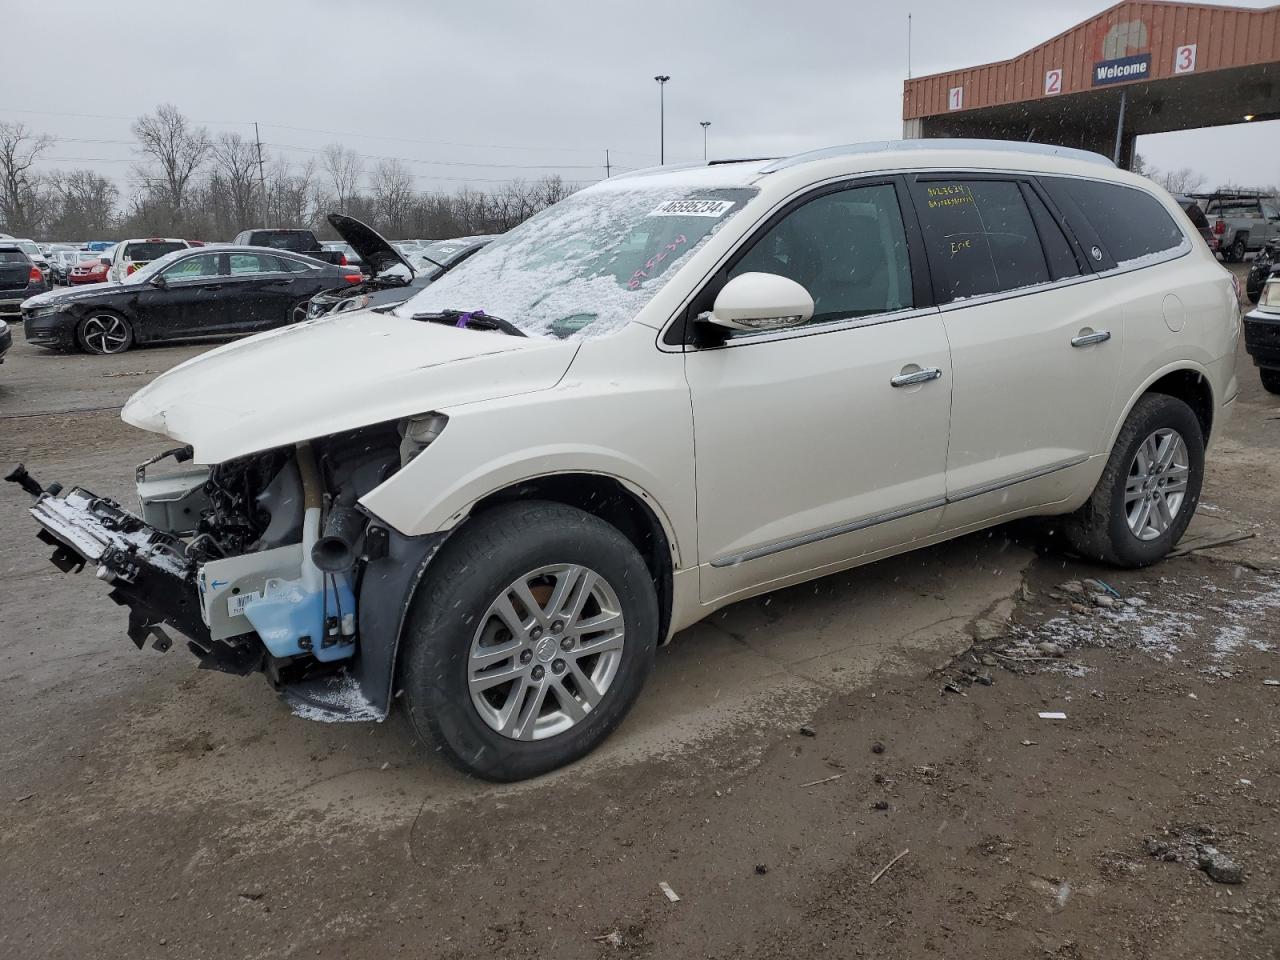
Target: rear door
{"type": "Point", "coordinates": [1034, 357]}
{"type": "Point", "coordinates": [262, 290]}
{"type": "Point", "coordinates": [15, 272]}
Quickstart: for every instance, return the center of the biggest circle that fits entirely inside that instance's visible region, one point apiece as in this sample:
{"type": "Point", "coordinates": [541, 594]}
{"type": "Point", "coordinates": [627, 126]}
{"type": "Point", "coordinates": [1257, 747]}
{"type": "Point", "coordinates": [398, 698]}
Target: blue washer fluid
{"type": "Point", "coordinates": [288, 612]}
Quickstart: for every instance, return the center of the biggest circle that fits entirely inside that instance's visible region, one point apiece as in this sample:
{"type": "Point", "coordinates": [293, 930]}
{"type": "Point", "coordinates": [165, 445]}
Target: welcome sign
{"type": "Point", "coordinates": [1122, 70]}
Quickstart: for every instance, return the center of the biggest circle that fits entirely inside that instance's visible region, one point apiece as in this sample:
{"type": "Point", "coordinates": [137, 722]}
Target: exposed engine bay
{"type": "Point", "coordinates": [260, 562]}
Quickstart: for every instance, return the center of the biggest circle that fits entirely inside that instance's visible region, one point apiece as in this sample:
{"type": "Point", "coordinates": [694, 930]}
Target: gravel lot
{"type": "Point", "coordinates": [150, 810]}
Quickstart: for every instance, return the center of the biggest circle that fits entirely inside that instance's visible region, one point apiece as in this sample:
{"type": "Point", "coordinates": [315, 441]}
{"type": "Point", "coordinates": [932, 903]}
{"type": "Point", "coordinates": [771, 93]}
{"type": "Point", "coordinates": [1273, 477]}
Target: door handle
{"type": "Point", "coordinates": [1087, 339]}
{"type": "Point", "coordinates": [919, 376]}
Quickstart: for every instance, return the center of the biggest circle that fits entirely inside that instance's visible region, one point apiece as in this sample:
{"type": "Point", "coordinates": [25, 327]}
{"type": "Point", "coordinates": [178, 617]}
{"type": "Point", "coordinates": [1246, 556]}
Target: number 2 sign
{"type": "Point", "coordinates": [955, 100]}
{"type": "Point", "coordinates": [1053, 82]}
{"type": "Point", "coordinates": [1184, 59]}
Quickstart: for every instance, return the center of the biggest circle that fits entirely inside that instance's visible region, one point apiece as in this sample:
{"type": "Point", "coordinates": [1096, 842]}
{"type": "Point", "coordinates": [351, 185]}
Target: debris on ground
{"type": "Point", "coordinates": [814, 783]}
{"type": "Point", "coordinates": [613, 938]}
{"type": "Point", "coordinates": [1052, 715]}
{"type": "Point", "coordinates": [668, 892]}
{"type": "Point", "coordinates": [761, 869]}
{"type": "Point", "coordinates": [808, 732]}
{"type": "Point", "coordinates": [1218, 865]}
{"type": "Point", "coordinates": [885, 869]}
{"type": "Point", "coordinates": [877, 747]}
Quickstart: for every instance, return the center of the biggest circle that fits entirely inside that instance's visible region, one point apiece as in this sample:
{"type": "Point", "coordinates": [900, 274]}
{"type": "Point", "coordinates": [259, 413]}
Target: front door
{"type": "Point", "coordinates": [1036, 351]}
{"type": "Point", "coordinates": [819, 444]}
{"type": "Point", "coordinates": [188, 303]}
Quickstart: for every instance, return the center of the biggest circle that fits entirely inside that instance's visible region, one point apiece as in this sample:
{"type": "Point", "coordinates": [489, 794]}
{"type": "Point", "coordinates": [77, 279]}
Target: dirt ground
{"type": "Point", "coordinates": [784, 754]}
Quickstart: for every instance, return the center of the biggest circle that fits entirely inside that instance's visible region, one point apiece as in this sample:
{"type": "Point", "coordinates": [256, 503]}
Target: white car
{"type": "Point", "coordinates": [131, 255]}
{"type": "Point", "coordinates": [32, 250]}
{"type": "Point", "coordinates": [671, 391]}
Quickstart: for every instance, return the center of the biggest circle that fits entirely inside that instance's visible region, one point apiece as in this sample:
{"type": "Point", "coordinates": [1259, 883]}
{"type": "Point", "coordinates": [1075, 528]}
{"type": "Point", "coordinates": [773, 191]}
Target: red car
{"type": "Point", "coordinates": [91, 270]}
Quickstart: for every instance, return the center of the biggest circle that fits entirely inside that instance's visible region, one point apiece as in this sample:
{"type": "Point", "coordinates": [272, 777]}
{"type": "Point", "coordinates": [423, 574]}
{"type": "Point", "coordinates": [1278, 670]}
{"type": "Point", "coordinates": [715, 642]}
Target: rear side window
{"type": "Point", "coordinates": [1130, 223]}
{"type": "Point", "coordinates": [980, 236]}
{"type": "Point", "coordinates": [285, 240]}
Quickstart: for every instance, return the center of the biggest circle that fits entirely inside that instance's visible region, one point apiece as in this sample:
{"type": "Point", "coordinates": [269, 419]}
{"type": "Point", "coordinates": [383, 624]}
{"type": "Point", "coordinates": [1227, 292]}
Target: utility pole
{"type": "Point", "coordinates": [704, 124]}
{"type": "Point", "coordinates": [606, 163]}
{"type": "Point", "coordinates": [262, 179]}
{"type": "Point", "coordinates": [908, 46]}
{"type": "Point", "coordinates": [662, 119]}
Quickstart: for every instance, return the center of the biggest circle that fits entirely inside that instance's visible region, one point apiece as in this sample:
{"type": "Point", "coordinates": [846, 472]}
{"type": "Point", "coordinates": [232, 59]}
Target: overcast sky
{"type": "Point", "coordinates": [479, 91]}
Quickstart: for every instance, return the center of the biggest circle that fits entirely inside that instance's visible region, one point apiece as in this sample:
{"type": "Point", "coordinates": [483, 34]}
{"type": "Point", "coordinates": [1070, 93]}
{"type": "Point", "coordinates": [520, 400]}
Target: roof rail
{"type": "Point", "coordinates": [940, 143]}
{"type": "Point", "coordinates": [1233, 195]}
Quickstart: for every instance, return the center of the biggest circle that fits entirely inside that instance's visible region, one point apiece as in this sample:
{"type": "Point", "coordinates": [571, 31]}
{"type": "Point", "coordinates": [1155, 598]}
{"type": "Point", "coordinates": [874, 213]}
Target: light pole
{"type": "Point", "coordinates": [662, 119]}
{"type": "Point", "coordinates": [704, 124]}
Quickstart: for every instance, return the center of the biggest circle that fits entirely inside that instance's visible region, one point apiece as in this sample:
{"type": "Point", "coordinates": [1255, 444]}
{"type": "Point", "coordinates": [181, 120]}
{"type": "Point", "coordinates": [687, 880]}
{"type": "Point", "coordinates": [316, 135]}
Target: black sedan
{"type": "Point", "coordinates": [199, 293]}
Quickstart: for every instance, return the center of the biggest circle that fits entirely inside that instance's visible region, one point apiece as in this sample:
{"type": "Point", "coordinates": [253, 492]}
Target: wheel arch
{"type": "Point", "coordinates": [623, 506]}
{"type": "Point", "coordinates": [1186, 381]}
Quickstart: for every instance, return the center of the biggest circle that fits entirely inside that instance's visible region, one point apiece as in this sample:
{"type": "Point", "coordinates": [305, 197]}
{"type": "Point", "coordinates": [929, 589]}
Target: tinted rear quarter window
{"type": "Point", "coordinates": [1130, 223]}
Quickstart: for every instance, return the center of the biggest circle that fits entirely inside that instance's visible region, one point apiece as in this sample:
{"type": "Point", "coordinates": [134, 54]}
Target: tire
{"type": "Point", "coordinates": [1103, 529]}
{"type": "Point", "coordinates": [104, 332]}
{"type": "Point", "coordinates": [1270, 380]}
{"type": "Point", "coordinates": [1238, 249]}
{"type": "Point", "coordinates": [452, 618]}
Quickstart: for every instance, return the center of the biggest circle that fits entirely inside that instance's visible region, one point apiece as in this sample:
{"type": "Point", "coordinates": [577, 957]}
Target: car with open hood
{"type": "Point", "coordinates": [673, 390]}
{"type": "Point", "coordinates": [195, 293]}
{"type": "Point", "coordinates": [394, 275]}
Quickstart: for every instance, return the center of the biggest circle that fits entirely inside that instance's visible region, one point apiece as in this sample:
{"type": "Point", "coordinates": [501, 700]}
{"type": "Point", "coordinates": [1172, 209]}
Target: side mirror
{"type": "Point", "coordinates": [159, 282]}
{"type": "Point", "coordinates": [760, 301]}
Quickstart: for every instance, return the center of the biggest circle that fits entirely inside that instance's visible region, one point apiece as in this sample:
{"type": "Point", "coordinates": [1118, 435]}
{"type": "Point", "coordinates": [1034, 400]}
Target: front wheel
{"type": "Point", "coordinates": [528, 640]}
{"type": "Point", "coordinates": [1149, 488]}
{"type": "Point", "coordinates": [104, 333]}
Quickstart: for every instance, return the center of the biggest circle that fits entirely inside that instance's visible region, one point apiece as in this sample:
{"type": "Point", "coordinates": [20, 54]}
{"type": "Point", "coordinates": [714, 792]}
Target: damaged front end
{"type": "Point", "coordinates": [265, 563]}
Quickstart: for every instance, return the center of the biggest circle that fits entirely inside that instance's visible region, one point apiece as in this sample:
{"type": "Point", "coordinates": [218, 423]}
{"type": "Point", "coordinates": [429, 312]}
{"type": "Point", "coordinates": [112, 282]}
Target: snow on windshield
{"type": "Point", "coordinates": [587, 265]}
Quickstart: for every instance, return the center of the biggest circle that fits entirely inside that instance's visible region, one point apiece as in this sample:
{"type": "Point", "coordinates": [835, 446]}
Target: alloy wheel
{"type": "Point", "coordinates": [1157, 484]}
{"type": "Point", "coordinates": [105, 333]}
{"type": "Point", "coordinates": [546, 652]}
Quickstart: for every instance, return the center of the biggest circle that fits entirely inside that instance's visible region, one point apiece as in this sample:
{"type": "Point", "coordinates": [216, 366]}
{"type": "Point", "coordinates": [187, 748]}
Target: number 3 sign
{"type": "Point", "coordinates": [1184, 59]}
{"type": "Point", "coordinates": [1053, 82]}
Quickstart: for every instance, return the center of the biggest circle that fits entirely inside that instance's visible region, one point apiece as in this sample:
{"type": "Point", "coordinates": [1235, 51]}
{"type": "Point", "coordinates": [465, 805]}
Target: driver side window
{"type": "Point", "coordinates": [193, 268]}
{"type": "Point", "coordinates": [847, 248]}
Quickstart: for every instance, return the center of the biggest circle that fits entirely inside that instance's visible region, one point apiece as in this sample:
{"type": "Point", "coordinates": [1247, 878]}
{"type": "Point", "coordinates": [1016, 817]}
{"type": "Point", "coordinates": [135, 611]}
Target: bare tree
{"type": "Point", "coordinates": [292, 194]}
{"type": "Point", "coordinates": [393, 195]}
{"type": "Point", "coordinates": [88, 204]}
{"type": "Point", "coordinates": [177, 148]}
{"type": "Point", "coordinates": [235, 160]}
{"type": "Point", "coordinates": [20, 195]}
{"type": "Point", "coordinates": [1182, 180]}
{"type": "Point", "coordinates": [345, 169]}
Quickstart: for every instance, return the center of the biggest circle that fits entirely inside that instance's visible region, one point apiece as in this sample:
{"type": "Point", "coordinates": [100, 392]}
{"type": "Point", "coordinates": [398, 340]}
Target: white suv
{"type": "Point", "coordinates": [671, 391]}
{"type": "Point", "coordinates": [131, 255]}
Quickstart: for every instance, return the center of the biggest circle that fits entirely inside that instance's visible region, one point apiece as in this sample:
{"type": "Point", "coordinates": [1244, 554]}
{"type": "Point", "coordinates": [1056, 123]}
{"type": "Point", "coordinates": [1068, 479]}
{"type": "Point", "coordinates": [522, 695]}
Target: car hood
{"type": "Point", "coordinates": [369, 245]}
{"type": "Point", "coordinates": [87, 291]}
{"type": "Point", "coordinates": [336, 373]}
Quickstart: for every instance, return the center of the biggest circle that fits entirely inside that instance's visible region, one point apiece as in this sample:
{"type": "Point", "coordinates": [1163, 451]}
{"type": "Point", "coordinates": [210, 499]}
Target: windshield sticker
{"type": "Point", "coordinates": [667, 250]}
{"type": "Point", "coordinates": [693, 208]}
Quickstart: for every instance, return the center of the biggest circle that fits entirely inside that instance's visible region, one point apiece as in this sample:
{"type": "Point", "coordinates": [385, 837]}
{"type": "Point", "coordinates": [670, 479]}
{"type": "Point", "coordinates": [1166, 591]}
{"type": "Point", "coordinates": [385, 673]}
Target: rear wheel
{"type": "Point", "coordinates": [103, 332]}
{"type": "Point", "coordinates": [1149, 489]}
{"type": "Point", "coordinates": [528, 640]}
{"type": "Point", "coordinates": [1270, 380]}
{"type": "Point", "coordinates": [1238, 250]}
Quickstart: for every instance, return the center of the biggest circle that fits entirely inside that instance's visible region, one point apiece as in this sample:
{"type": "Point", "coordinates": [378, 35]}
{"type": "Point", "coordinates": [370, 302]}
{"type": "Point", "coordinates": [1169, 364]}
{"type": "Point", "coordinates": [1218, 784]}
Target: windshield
{"type": "Point", "coordinates": [29, 246]}
{"type": "Point", "coordinates": [154, 267]}
{"type": "Point", "coordinates": [587, 265]}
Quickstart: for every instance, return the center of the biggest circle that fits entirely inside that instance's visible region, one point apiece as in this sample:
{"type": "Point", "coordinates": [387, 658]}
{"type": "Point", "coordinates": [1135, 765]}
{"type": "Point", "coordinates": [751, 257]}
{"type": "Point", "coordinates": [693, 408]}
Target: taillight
{"type": "Point", "coordinates": [1220, 227]}
{"type": "Point", "coordinates": [35, 276]}
{"type": "Point", "coordinates": [353, 277]}
{"type": "Point", "coordinates": [342, 260]}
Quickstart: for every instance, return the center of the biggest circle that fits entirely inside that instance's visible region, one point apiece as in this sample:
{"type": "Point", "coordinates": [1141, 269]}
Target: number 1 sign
{"type": "Point", "coordinates": [955, 100]}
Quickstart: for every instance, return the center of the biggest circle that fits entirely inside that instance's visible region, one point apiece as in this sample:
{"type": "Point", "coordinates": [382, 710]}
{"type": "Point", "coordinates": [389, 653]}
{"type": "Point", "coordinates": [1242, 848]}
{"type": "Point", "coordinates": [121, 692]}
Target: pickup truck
{"type": "Point", "coordinates": [297, 241]}
{"type": "Point", "coordinates": [1241, 222]}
